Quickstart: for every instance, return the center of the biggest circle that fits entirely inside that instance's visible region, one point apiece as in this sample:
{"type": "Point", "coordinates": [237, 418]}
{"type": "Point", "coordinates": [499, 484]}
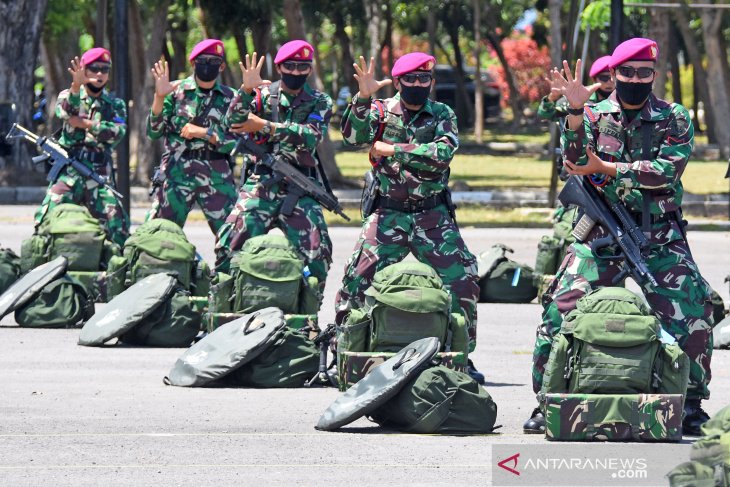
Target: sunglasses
{"type": "Point", "coordinates": [629, 71]}
{"type": "Point", "coordinates": [98, 68]}
{"type": "Point", "coordinates": [422, 78]}
{"type": "Point", "coordinates": [603, 78]}
{"type": "Point", "coordinates": [293, 66]}
{"type": "Point", "coordinates": [212, 60]}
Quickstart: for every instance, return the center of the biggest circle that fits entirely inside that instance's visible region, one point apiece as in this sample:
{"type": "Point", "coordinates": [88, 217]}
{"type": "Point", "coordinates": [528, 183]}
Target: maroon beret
{"type": "Point", "coordinates": [208, 46]}
{"type": "Point", "coordinates": [600, 65]}
{"type": "Point", "coordinates": [636, 49]}
{"type": "Point", "coordinates": [413, 61]}
{"type": "Point", "coordinates": [96, 54]}
{"type": "Point", "coordinates": [294, 51]}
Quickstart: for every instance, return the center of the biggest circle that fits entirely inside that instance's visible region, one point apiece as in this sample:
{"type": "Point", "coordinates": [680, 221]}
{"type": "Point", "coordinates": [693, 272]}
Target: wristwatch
{"type": "Point", "coordinates": [266, 129]}
{"type": "Point", "coordinates": [209, 133]}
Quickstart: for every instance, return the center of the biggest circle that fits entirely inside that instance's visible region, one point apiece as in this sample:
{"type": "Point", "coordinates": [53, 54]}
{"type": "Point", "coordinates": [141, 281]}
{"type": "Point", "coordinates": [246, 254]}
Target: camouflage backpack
{"type": "Point", "coordinates": [502, 280]}
{"type": "Point", "coordinates": [69, 230]}
{"type": "Point", "coordinates": [406, 302]}
{"type": "Point", "coordinates": [160, 245]}
{"type": "Point", "coordinates": [709, 463]}
{"type": "Point", "coordinates": [610, 344]}
{"type": "Point", "coordinates": [267, 272]}
{"type": "Point", "coordinates": [9, 269]}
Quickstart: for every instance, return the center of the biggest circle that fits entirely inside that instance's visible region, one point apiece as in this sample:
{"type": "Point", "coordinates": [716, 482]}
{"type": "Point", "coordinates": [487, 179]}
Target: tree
{"type": "Point", "coordinates": [19, 45]}
{"type": "Point", "coordinates": [711, 27]}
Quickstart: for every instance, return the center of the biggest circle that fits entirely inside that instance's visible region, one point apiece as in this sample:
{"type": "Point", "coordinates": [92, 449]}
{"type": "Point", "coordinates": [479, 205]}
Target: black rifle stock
{"type": "Point", "coordinates": [622, 230]}
{"type": "Point", "coordinates": [299, 185]}
{"type": "Point", "coordinates": [58, 156]}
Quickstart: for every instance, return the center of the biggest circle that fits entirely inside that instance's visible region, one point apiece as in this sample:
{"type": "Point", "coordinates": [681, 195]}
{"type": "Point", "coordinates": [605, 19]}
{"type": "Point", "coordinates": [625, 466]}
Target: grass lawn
{"type": "Point", "coordinates": [491, 172]}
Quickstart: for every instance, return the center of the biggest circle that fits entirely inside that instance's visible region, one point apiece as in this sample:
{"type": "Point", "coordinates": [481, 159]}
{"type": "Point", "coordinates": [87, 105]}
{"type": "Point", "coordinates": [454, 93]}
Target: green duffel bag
{"type": "Point", "coordinates": [610, 344]}
{"type": "Point", "coordinates": [9, 269]}
{"type": "Point", "coordinates": [267, 272]}
{"type": "Point", "coordinates": [502, 280]}
{"type": "Point", "coordinates": [160, 246]}
{"type": "Point", "coordinates": [289, 362]}
{"type": "Point", "coordinates": [174, 323]}
{"type": "Point", "coordinates": [439, 400]}
{"type": "Point", "coordinates": [696, 474]}
{"type": "Point", "coordinates": [63, 303]}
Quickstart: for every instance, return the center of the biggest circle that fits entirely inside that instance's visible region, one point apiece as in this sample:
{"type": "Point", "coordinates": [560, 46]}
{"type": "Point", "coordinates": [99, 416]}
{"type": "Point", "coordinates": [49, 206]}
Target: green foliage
{"type": "Point", "coordinates": [596, 14]}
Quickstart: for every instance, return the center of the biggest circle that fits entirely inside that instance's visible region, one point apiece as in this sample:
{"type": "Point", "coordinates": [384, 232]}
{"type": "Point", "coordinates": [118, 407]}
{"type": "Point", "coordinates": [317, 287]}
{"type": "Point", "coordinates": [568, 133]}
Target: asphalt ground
{"type": "Point", "coordinates": [72, 415]}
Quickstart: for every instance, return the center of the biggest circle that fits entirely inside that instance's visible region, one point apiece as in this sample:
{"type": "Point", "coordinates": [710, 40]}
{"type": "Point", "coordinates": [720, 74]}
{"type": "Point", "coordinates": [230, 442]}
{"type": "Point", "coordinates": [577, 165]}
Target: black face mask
{"type": "Point", "coordinates": [414, 95]}
{"type": "Point", "coordinates": [294, 81]}
{"type": "Point", "coordinates": [94, 89]}
{"type": "Point", "coordinates": [206, 72]}
{"type": "Point", "coordinates": [633, 93]}
{"type": "Point", "coordinates": [604, 94]}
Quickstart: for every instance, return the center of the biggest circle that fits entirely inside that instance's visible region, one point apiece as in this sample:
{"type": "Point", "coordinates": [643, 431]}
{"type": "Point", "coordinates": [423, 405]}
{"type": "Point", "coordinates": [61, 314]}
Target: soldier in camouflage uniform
{"type": "Point", "coordinates": [196, 166]}
{"type": "Point", "coordinates": [302, 121]}
{"type": "Point", "coordinates": [554, 106]}
{"type": "Point", "coordinates": [413, 140]}
{"type": "Point", "coordinates": [93, 124]}
{"type": "Point", "coordinates": [609, 139]}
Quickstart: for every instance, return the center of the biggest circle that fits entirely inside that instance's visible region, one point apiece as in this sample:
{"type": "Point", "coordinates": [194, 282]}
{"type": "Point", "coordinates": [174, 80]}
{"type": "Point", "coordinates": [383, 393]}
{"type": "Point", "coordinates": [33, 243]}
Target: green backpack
{"type": "Point", "coordinates": [709, 463]}
{"type": "Point", "coordinates": [267, 271]}
{"type": "Point", "coordinates": [69, 230]}
{"type": "Point", "coordinates": [610, 344]}
{"type": "Point", "coordinates": [290, 361]}
{"type": "Point", "coordinates": [502, 280]}
{"type": "Point", "coordinates": [160, 245]}
{"type": "Point", "coordinates": [9, 269]}
{"type": "Point", "coordinates": [406, 302]}
{"type": "Point", "coordinates": [439, 400]}
{"type": "Point", "coordinates": [552, 248]}
{"type": "Point", "coordinates": [62, 303]}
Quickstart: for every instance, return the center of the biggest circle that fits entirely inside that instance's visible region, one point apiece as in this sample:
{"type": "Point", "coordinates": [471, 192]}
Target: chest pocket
{"type": "Point", "coordinates": [394, 130]}
{"type": "Point", "coordinates": [425, 134]}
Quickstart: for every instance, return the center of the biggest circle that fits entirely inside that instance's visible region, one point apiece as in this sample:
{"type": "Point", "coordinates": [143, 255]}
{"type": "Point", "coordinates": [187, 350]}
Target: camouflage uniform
{"type": "Point", "coordinates": [425, 143]}
{"type": "Point", "coordinates": [682, 301]}
{"type": "Point", "coordinates": [93, 148]}
{"type": "Point", "coordinates": [194, 171]}
{"type": "Point", "coordinates": [303, 121]}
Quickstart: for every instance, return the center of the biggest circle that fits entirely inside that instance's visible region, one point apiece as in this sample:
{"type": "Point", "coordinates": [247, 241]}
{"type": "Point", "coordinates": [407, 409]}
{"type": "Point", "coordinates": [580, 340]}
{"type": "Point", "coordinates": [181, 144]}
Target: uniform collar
{"type": "Point", "coordinates": [84, 94]}
{"type": "Point", "coordinates": [652, 111]}
{"type": "Point", "coordinates": [189, 84]}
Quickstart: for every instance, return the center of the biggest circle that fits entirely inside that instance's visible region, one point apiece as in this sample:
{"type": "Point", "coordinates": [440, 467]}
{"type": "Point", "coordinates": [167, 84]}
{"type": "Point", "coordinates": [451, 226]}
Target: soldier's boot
{"type": "Point", "coordinates": [694, 417]}
{"type": "Point", "coordinates": [474, 373]}
{"type": "Point", "coordinates": [536, 423]}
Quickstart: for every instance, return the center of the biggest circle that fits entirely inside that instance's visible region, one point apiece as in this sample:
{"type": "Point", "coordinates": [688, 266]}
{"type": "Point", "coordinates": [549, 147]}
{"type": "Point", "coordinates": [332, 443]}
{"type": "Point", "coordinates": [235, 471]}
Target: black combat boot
{"type": "Point", "coordinates": [694, 417]}
{"type": "Point", "coordinates": [474, 373]}
{"type": "Point", "coordinates": [536, 423]}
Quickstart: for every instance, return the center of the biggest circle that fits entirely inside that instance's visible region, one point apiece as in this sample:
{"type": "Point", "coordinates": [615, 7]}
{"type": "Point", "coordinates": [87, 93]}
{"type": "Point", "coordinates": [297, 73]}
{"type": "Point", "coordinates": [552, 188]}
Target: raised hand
{"type": "Point", "coordinates": [555, 87]}
{"type": "Point", "coordinates": [161, 74]}
{"type": "Point", "coordinates": [571, 88]}
{"type": "Point", "coordinates": [251, 72]}
{"type": "Point", "coordinates": [365, 76]}
{"type": "Point", "coordinates": [78, 73]}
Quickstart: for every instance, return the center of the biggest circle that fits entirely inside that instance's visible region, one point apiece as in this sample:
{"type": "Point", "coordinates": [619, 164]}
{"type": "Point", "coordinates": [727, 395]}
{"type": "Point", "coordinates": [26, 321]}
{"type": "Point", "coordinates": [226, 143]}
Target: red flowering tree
{"type": "Point", "coordinates": [529, 65]}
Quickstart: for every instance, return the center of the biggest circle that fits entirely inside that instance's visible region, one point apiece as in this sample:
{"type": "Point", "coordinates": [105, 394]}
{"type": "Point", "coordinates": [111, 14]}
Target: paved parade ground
{"type": "Point", "coordinates": [78, 416]}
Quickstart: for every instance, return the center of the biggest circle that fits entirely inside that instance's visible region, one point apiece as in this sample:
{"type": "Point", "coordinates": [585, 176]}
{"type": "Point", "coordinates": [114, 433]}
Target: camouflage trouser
{"type": "Point", "coordinates": [258, 210]}
{"type": "Point", "coordinates": [72, 187]}
{"type": "Point", "coordinates": [681, 302]}
{"type": "Point", "coordinates": [188, 181]}
{"type": "Point", "coordinates": [432, 236]}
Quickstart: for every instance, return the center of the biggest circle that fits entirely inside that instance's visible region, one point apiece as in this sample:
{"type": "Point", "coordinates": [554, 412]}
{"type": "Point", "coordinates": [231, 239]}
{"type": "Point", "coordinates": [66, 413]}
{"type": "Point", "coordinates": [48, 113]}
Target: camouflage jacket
{"type": "Point", "coordinates": [302, 120]}
{"type": "Point", "coordinates": [183, 105]}
{"type": "Point", "coordinates": [554, 111]}
{"type": "Point", "coordinates": [424, 142]}
{"type": "Point", "coordinates": [613, 137]}
{"type": "Point", "coordinates": [108, 115]}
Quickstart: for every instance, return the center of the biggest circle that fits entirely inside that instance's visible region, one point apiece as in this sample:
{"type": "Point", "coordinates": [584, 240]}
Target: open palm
{"type": "Point", "coordinates": [161, 74]}
{"type": "Point", "coordinates": [571, 87]}
{"type": "Point", "coordinates": [251, 71]}
{"type": "Point", "coordinates": [365, 76]}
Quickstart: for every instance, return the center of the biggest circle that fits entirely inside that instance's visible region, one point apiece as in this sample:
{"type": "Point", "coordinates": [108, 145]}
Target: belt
{"type": "Point", "coordinates": [664, 217]}
{"type": "Point", "coordinates": [204, 154]}
{"type": "Point", "coordinates": [98, 158]}
{"type": "Point", "coordinates": [410, 206]}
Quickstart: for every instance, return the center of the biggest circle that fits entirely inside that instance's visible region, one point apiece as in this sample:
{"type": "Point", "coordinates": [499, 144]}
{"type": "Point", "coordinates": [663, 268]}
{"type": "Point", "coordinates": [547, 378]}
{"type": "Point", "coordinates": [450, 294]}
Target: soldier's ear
{"type": "Point", "coordinates": [222, 68]}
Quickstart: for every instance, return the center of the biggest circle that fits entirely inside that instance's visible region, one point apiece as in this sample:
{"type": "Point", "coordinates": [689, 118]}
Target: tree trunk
{"type": "Point", "coordinates": [514, 94]}
{"type": "Point", "coordinates": [374, 14]}
{"type": "Point", "coordinates": [261, 36]}
{"type": "Point", "coordinates": [478, 92]}
{"type": "Point", "coordinates": [674, 65]}
{"type": "Point", "coordinates": [556, 55]}
{"type": "Point", "coordinates": [19, 44]}
{"type": "Point", "coordinates": [347, 60]}
{"type": "Point", "coordinates": [711, 25]}
{"type": "Point", "coordinates": [146, 152]}
{"type": "Point", "coordinates": [325, 151]}
{"type": "Point", "coordinates": [462, 99]}
{"type": "Point", "coordinates": [695, 58]}
{"type": "Point", "coordinates": [659, 31]}
{"type": "Point", "coordinates": [56, 55]}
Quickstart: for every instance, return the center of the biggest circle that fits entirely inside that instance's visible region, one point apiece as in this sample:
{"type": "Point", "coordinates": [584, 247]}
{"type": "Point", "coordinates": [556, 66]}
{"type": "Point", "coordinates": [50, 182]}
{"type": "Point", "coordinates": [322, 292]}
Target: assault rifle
{"type": "Point", "coordinates": [58, 157]}
{"type": "Point", "coordinates": [623, 231]}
